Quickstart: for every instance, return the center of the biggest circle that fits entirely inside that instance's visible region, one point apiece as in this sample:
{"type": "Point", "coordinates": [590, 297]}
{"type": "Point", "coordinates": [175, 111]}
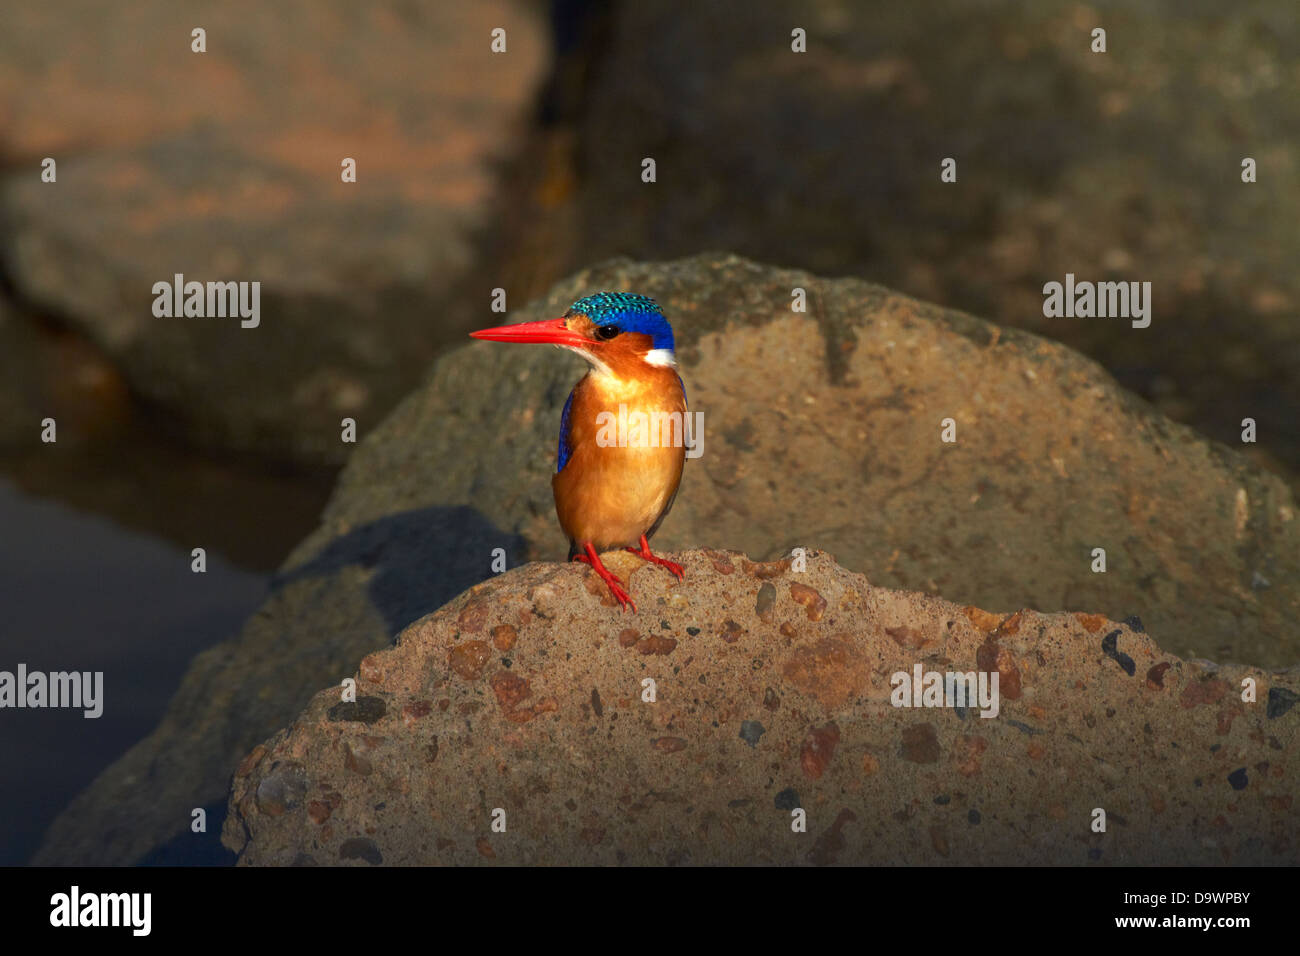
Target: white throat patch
{"type": "Point", "coordinates": [663, 357]}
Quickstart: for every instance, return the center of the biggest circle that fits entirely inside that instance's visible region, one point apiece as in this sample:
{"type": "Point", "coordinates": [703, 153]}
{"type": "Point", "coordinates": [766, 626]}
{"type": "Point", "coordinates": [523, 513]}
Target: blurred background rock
{"type": "Point", "coordinates": [479, 170]}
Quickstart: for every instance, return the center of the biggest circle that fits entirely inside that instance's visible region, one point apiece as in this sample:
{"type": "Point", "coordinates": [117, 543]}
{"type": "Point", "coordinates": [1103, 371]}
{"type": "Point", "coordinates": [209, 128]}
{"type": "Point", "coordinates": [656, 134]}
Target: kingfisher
{"type": "Point", "coordinates": [611, 492]}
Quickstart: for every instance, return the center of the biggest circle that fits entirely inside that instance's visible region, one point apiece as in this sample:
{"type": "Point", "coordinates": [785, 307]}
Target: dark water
{"type": "Point", "coordinates": [96, 534]}
{"type": "Point", "coordinates": [79, 592]}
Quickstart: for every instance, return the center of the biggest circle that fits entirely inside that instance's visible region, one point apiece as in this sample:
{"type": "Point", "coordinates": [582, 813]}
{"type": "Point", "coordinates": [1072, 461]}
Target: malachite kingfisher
{"type": "Point", "coordinates": [615, 484]}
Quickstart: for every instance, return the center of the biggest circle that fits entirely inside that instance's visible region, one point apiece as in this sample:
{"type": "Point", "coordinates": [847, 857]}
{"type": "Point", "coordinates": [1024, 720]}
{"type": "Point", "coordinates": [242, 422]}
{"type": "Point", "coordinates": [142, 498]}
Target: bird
{"type": "Point", "coordinates": [616, 473]}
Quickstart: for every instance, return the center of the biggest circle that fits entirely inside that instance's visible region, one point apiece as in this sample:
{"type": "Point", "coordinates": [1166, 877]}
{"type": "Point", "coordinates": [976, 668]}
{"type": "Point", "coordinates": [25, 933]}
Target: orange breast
{"type": "Point", "coordinates": [627, 452]}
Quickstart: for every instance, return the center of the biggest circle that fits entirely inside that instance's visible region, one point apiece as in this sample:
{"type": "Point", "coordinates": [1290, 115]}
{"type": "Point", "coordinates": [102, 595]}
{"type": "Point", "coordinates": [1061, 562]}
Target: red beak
{"type": "Point", "coordinates": [546, 332]}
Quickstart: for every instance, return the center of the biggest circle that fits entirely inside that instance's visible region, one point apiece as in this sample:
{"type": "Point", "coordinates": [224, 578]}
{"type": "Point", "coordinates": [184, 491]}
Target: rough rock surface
{"type": "Point", "coordinates": [525, 700]}
{"type": "Point", "coordinates": [225, 165]}
{"type": "Point", "coordinates": [821, 430]}
{"type": "Point", "coordinates": [824, 429]}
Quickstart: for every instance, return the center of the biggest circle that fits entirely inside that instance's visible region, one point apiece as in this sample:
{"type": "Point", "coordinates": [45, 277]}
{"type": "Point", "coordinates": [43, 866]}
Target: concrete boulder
{"type": "Point", "coordinates": [530, 722]}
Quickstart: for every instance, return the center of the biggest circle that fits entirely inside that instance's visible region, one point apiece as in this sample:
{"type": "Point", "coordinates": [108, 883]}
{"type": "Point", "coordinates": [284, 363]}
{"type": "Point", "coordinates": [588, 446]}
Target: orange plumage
{"type": "Point", "coordinates": [624, 429]}
{"type": "Point", "coordinates": [611, 496]}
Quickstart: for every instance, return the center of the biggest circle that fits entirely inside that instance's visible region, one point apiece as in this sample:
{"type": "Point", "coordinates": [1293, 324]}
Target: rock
{"type": "Point", "coordinates": [821, 431]}
{"type": "Point", "coordinates": [577, 786]}
{"type": "Point", "coordinates": [225, 165]}
{"type": "Point", "coordinates": [751, 732]}
{"type": "Point", "coordinates": [1123, 165]}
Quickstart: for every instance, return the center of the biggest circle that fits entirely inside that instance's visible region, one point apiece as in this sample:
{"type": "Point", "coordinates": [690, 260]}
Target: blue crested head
{"type": "Point", "coordinates": [628, 313]}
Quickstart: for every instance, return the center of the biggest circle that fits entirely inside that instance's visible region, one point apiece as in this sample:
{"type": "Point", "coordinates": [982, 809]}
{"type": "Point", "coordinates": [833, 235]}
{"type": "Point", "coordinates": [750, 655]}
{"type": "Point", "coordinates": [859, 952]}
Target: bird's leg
{"type": "Point", "coordinates": [645, 555]}
{"type": "Point", "coordinates": [616, 589]}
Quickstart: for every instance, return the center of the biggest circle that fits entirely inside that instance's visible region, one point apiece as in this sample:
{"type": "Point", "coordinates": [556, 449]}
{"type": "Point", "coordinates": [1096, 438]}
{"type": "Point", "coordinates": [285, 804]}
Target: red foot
{"type": "Point", "coordinates": [616, 589]}
{"type": "Point", "coordinates": [645, 555]}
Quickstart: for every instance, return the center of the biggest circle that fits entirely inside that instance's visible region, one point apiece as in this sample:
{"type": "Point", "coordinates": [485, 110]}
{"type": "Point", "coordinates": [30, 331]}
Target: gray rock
{"type": "Point", "coordinates": [225, 165]}
{"type": "Point", "coordinates": [1122, 165]}
{"type": "Point", "coordinates": [822, 430]}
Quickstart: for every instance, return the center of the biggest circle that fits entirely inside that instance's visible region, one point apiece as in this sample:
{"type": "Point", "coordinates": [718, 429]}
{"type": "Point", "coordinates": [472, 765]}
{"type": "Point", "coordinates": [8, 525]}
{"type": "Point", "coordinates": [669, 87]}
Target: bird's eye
{"type": "Point", "coordinates": [607, 332]}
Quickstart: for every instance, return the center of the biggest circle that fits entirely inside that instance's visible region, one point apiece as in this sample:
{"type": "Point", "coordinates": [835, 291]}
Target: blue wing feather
{"type": "Point", "coordinates": [562, 456]}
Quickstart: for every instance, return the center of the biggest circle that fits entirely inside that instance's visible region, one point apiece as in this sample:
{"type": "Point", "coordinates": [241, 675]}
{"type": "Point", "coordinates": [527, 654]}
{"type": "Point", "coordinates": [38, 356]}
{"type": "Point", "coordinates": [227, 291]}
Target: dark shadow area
{"type": "Point", "coordinates": [195, 849]}
{"type": "Point", "coordinates": [421, 559]}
